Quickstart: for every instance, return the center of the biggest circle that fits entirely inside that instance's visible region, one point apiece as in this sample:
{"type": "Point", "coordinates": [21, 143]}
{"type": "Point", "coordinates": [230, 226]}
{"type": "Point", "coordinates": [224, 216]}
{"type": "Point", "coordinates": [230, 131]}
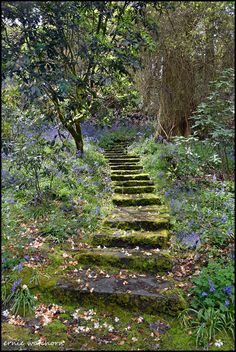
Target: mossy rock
{"type": "Point", "coordinates": [132, 183]}
{"type": "Point", "coordinates": [129, 177]}
{"type": "Point", "coordinates": [119, 238]}
{"type": "Point", "coordinates": [136, 199]}
{"type": "Point", "coordinates": [157, 262]}
{"type": "Point", "coordinates": [134, 189]}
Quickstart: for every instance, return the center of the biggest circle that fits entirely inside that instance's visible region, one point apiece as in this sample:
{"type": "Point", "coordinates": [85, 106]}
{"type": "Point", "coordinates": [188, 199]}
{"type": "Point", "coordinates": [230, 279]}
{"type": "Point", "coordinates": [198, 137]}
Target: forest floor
{"type": "Point", "coordinates": [120, 288]}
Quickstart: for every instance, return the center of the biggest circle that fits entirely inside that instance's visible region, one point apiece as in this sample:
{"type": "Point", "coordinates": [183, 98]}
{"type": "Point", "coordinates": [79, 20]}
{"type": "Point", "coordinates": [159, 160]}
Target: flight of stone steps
{"type": "Point", "coordinates": [130, 253]}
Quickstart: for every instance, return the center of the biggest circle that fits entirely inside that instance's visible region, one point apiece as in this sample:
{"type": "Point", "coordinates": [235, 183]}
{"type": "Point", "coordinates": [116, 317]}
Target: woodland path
{"type": "Point", "coordinates": [133, 245]}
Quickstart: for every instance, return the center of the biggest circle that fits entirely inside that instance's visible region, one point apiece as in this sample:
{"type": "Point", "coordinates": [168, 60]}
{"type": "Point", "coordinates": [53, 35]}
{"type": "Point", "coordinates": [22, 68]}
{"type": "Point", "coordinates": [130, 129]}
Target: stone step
{"type": "Point", "coordinates": [137, 292]}
{"type": "Point", "coordinates": [138, 221]}
{"type": "Point", "coordinates": [129, 239]}
{"type": "Point", "coordinates": [136, 199]}
{"type": "Point", "coordinates": [153, 261]}
{"type": "Point", "coordinates": [132, 183]}
{"type": "Point", "coordinates": [130, 177]}
{"type": "Point", "coordinates": [121, 156]}
{"type": "Point", "coordinates": [137, 211]}
{"type": "Point", "coordinates": [134, 189]}
{"type": "Point", "coordinates": [126, 167]}
{"type": "Point", "coordinates": [115, 155]}
{"type": "Point", "coordinates": [124, 172]}
{"type": "Point", "coordinates": [124, 160]}
{"type": "Point", "coordinates": [117, 149]}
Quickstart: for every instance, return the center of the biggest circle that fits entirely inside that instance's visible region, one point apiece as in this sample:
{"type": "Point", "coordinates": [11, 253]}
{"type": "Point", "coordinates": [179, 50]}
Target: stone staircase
{"type": "Point", "coordinates": [130, 254]}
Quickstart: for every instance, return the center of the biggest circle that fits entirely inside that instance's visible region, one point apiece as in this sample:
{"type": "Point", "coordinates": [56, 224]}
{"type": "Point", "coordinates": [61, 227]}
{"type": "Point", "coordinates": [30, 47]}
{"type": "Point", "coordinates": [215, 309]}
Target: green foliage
{"type": "Point", "coordinates": [214, 118]}
{"type": "Point", "coordinates": [214, 287]}
{"type": "Point", "coordinates": [23, 301]}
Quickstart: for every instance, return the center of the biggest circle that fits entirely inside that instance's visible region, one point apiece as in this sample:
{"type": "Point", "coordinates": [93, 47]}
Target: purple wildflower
{"type": "Point", "coordinates": [212, 288]}
{"type": "Point", "coordinates": [226, 302]}
{"type": "Point", "coordinates": [15, 284]}
{"type": "Point", "coordinates": [227, 290]}
{"type": "Point", "coordinates": [204, 294]}
{"type": "Point", "coordinates": [20, 267]}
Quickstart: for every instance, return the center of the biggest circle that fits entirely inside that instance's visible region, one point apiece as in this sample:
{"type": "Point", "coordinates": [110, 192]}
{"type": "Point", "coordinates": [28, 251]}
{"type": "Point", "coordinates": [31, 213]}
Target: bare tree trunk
{"type": "Point", "coordinates": [176, 96]}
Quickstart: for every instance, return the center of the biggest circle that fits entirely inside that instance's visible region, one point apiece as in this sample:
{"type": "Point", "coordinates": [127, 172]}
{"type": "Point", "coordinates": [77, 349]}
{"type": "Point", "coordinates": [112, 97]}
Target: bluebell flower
{"type": "Point", "coordinates": [227, 290]}
{"type": "Point", "coordinates": [204, 294]}
{"type": "Point", "coordinates": [97, 210]}
{"type": "Point", "coordinates": [19, 267]}
{"type": "Point", "coordinates": [226, 302]}
{"type": "Point", "coordinates": [223, 218]}
{"type": "Point", "coordinates": [15, 284]}
{"type": "Point", "coordinates": [212, 288]}
{"type": "Point", "coordinates": [190, 223]}
{"type": "Point", "coordinates": [160, 174]}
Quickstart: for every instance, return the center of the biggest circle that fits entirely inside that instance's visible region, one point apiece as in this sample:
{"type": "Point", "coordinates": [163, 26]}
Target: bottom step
{"type": "Point", "coordinates": [134, 291]}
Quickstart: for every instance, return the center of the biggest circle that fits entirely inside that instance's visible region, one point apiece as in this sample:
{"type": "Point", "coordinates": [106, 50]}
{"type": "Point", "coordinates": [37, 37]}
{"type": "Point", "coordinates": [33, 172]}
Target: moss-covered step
{"type": "Point", "coordinates": [142, 293]}
{"type": "Point", "coordinates": [132, 183]}
{"type": "Point", "coordinates": [124, 163]}
{"type": "Point", "coordinates": [136, 199]}
{"type": "Point", "coordinates": [120, 238]}
{"type": "Point", "coordinates": [137, 221]}
{"type": "Point", "coordinates": [115, 149]}
{"type": "Point", "coordinates": [140, 211]}
{"type": "Point", "coordinates": [134, 189]}
{"type": "Point", "coordinates": [122, 156]}
{"type": "Point", "coordinates": [135, 259]}
{"type": "Point", "coordinates": [124, 172]}
{"type": "Point", "coordinates": [116, 154]}
{"type": "Point", "coordinates": [126, 159]}
{"type": "Point", "coordinates": [126, 167]}
{"type": "Point", "coordinates": [129, 177]}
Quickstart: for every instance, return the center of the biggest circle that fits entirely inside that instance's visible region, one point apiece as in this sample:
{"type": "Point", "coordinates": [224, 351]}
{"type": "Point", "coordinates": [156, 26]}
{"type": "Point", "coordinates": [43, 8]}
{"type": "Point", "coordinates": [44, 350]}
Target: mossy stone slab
{"type": "Point", "coordinates": [134, 189]}
{"type": "Point", "coordinates": [136, 199]}
{"type": "Point", "coordinates": [136, 259]}
{"type": "Point", "coordinates": [126, 167]}
{"type": "Point", "coordinates": [132, 183]}
{"type": "Point", "coordinates": [123, 160]}
{"type": "Point", "coordinates": [124, 163]}
{"type": "Point", "coordinates": [129, 177]}
{"type": "Point", "coordinates": [130, 239]}
{"type": "Point", "coordinates": [127, 172]}
{"type": "Point", "coordinates": [152, 223]}
{"type": "Point", "coordinates": [142, 293]}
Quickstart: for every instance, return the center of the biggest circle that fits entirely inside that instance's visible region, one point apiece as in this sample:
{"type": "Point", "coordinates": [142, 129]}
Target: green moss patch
{"type": "Point", "coordinates": [136, 199]}
{"type": "Point", "coordinates": [134, 259]}
{"type": "Point", "coordinates": [134, 189]}
{"type": "Point", "coordinates": [121, 238]}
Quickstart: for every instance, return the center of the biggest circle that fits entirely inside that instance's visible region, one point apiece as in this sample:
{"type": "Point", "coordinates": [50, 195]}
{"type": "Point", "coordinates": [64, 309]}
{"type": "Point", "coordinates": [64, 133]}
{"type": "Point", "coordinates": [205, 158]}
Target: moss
{"type": "Point", "coordinates": [92, 258]}
{"type": "Point", "coordinates": [134, 199]}
{"type": "Point", "coordinates": [134, 189]}
{"type": "Point", "coordinates": [133, 239]}
{"type": "Point", "coordinates": [132, 183]}
{"type": "Point", "coordinates": [152, 225]}
{"type": "Point", "coordinates": [56, 258]}
{"type": "Point", "coordinates": [14, 337]}
{"type": "Point", "coordinates": [160, 263]}
{"type": "Point", "coordinates": [140, 176]}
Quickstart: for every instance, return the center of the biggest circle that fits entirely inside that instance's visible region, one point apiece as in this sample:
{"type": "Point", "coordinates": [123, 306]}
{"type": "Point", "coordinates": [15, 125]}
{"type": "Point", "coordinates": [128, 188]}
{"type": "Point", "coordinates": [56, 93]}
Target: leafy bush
{"type": "Point", "coordinates": [212, 307]}
{"type": "Point", "coordinates": [214, 118]}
